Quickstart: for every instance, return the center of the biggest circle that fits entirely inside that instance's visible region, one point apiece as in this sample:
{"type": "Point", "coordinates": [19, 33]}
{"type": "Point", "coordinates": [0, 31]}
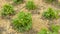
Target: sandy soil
{"type": "Point", "coordinates": [38, 21]}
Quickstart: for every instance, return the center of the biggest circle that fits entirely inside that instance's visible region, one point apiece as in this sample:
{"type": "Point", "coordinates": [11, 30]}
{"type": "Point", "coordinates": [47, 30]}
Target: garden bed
{"type": "Point", "coordinates": [38, 21]}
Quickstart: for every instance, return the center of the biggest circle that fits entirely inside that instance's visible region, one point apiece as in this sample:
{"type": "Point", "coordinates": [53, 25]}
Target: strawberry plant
{"type": "Point", "coordinates": [23, 22]}
{"type": "Point", "coordinates": [18, 1]}
{"type": "Point", "coordinates": [7, 10]}
{"type": "Point", "coordinates": [30, 5]}
{"type": "Point", "coordinates": [50, 14]}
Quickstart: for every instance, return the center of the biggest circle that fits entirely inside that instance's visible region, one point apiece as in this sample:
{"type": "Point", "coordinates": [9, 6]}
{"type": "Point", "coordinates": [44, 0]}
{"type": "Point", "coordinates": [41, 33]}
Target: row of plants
{"type": "Point", "coordinates": [48, 1]}
{"type": "Point", "coordinates": [29, 5]}
{"type": "Point", "coordinates": [21, 1]}
{"type": "Point", "coordinates": [23, 21]}
{"type": "Point", "coordinates": [54, 29]}
{"type": "Point", "coordinates": [8, 9]}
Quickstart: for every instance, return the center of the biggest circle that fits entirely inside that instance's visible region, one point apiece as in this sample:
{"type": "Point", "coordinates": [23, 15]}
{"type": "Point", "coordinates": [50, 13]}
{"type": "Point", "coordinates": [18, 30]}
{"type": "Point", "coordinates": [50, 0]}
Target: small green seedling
{"type": "Point", "coordinates": [30, 5]}
{"type": "Point", "coordinates": [23, 22]}
{"type": "Point", "coordinates": [18, 1]}
{"type": "Point", "coordinates": [55, 28]}
{"type": "Point", "coordinates": [45, 31]}
{"type": "Point", "coordinates": [51, 14]}
{"type": "Point", "coordinates": [7, 10]}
